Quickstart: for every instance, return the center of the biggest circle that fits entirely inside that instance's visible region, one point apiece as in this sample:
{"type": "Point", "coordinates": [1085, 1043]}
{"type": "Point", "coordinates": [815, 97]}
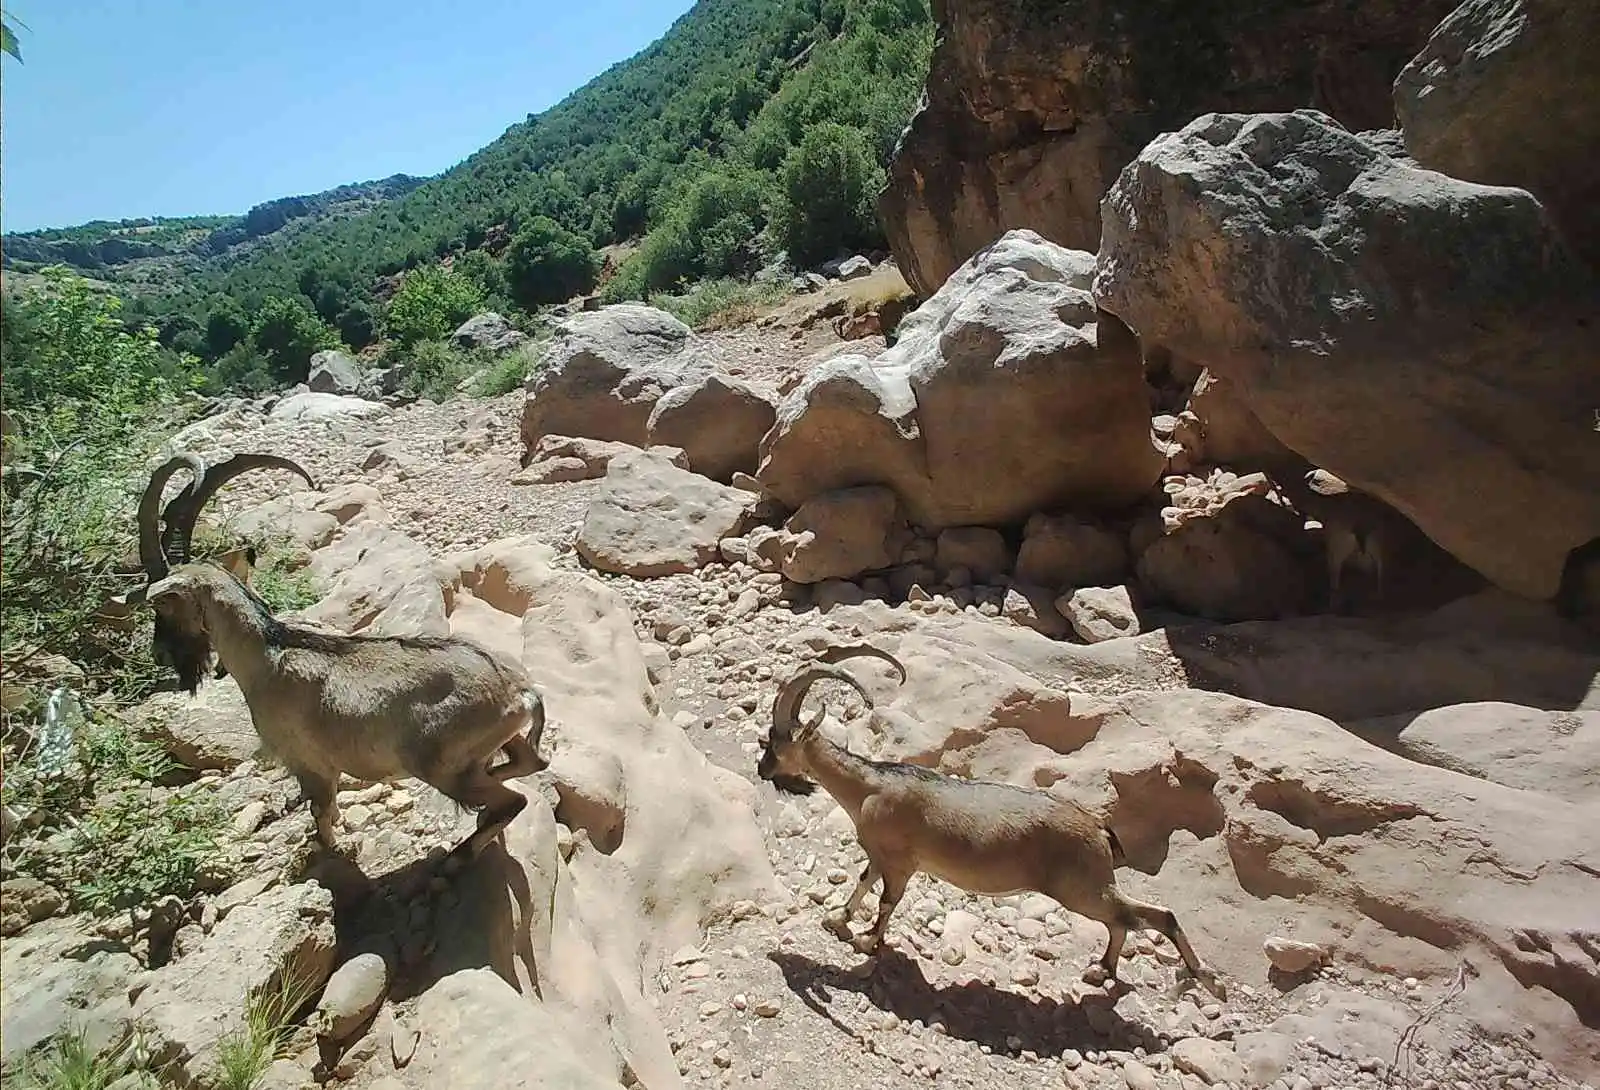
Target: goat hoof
{"type": "Point", "coordinates": [866, 944]}
{"type": "Point", "coordinates": [1097, 975]}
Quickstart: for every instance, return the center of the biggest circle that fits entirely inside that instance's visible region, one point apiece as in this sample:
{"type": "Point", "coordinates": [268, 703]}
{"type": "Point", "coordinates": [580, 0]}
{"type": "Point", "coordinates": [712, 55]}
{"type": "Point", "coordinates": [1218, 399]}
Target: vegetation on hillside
{"type": "Point", "coordinates": [753, 130]}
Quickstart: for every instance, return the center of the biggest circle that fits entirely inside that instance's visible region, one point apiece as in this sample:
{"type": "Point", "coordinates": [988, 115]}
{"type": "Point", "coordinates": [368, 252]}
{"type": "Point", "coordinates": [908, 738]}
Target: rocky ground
{"type": "Point", "coordinates": [749, 986]}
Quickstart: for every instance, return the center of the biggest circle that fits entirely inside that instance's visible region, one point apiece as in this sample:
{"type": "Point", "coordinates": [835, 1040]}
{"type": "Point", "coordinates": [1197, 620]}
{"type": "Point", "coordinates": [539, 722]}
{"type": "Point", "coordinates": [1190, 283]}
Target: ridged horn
{"type": "Point", "coordinates": [786, 705]}
{"type": "Point", "coordinates": [152, 557]}
{"type": "Point", "coordinates": [185, 507]}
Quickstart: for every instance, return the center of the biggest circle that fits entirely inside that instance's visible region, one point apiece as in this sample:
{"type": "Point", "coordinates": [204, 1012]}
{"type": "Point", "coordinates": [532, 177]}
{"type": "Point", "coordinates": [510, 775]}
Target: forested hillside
{"type": "Point", "coordinates": [752, 129]}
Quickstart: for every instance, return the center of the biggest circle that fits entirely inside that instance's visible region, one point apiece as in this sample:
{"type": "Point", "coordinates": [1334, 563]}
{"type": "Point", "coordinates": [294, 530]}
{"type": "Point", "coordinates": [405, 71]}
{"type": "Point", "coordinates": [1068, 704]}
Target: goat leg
{"type": "Point", "coordinates": [321, 792]}
{"type": "Point", "coordinates": [894, 887]}
{"type": "Point", "coordinates": [869, 877]}
{"type": "Point", "coordinates": [1131, 913]}
{"type": "Point", "coordinates": [521, 759]}
{"type": "Point", "coordinates": [497, 806]}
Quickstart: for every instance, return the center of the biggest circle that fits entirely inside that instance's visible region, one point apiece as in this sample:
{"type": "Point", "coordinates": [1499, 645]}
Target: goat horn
{"type": "Point", "coordinates": [786, 705]}
{"type": "Point", "coordinates": [840, 652]}
{"type": "Point", "coordinates": [185, 508]}
{"type": "Point", "coordinates": [154, 560]}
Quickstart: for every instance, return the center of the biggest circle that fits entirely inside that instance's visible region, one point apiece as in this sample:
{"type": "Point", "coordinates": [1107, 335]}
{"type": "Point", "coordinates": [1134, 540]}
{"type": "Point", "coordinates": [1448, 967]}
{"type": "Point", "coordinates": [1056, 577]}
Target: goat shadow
{"type": "Point", "coordinates": [1006, 1022]}
{"type": "Point", "coordinates": [427, 922]}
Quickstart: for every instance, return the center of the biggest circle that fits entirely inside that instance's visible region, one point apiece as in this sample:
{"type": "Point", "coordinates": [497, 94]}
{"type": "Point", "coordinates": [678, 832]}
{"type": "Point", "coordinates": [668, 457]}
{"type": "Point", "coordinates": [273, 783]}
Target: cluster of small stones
{"type": "Point", "coordinates": [1191, 497]}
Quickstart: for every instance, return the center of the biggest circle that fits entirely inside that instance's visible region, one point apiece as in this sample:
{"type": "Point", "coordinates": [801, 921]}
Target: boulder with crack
{"type": "Point", "coordinates": [1503, 93]}
{"type": "Point", "coordinates": [334, 372]}
{"type": "Point", "coordinates": [839, 535]}
{"type": "Point", "coordinates": [718, 421]}
{"type": "Point", "coordinates": [1347, 296]}
{"type": "Point", "coordinates": [653, 518]}
{"type": "Point", "coordinates": [604, 370]}
{"type": "Point", "coordinates": [1004, 394]}
{"type": "Point", "coordinates": [560, 458]}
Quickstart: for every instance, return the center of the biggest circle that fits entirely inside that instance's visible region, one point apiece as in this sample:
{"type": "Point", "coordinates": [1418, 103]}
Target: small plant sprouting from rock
{"type": "Point", "coordinates": [244, 1055]}
{"type": "Point", "coordinates": [101, 829]}
{"type": "Point", "coordinates": [283, 587]}
{"type": "Point", "coordinates": [70, 1063]}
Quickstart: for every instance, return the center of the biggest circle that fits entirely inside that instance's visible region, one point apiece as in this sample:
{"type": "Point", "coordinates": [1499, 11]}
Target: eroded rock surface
{"type": "Point", "coordinates": [1029, 112]}
{"type": "Point", "coordinates": [1349, 299]}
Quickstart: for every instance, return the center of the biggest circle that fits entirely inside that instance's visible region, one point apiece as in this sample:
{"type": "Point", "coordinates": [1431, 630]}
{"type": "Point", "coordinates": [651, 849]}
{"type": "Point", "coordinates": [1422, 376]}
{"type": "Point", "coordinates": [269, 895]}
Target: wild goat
{"type": "Point", "coordinates": [983, 836]}
{"type": "Point", "coordinates": [374, 707]}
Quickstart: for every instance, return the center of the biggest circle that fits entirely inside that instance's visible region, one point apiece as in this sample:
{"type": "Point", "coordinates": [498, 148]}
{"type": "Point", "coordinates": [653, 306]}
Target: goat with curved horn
{"type": "Point", "coordinates": [983, 836]}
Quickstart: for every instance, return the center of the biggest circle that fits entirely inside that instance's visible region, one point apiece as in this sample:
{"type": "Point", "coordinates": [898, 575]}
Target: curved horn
{"type": "Point", "coordinates": [151, 556]}
{"type": "Point", "coordinates": [840, 652]}
{"type": "Point", "coordinates": [185, 508]}
{"type": "Point", "coordinates": [786, 705]}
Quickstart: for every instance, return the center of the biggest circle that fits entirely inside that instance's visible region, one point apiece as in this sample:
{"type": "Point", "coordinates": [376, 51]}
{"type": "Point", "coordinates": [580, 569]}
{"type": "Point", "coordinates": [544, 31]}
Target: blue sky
{"type": "Point", "coordinates": [125, 108]}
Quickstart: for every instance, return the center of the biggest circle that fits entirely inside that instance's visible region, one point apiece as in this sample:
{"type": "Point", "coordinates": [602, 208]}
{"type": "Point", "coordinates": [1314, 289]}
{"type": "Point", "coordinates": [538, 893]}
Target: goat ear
{"type": "Point", "coordinates": [808, 727]}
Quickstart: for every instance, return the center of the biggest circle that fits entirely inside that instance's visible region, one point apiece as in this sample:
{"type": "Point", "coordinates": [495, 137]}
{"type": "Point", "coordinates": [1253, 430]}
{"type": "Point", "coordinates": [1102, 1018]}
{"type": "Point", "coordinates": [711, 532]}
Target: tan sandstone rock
{"type": "Point", "coordinates": [1027, 120]}
{"type": "Point", "coordinates": [1503, 93]}
{"type": "Point", "coordinates": [1004, 394]}
{"type": "Point", "coordinates": [718, 421]}
{"type": "Point", "coordinates": [603, 372]}
{"type": "Point", "coordinates": [653, 518]}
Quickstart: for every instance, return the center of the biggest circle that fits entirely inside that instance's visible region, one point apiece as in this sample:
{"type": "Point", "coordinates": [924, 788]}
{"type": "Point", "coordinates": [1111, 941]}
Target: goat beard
{"type": "Point", "coordinates": [188, 653]}
{"type": "Point", "coordinates": [793, 785]}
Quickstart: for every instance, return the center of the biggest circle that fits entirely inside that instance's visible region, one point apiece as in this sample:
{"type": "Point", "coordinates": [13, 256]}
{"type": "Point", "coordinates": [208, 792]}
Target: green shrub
{"type": "Point", "coordinates": [432, 301]}
{"type": "Point", "coordinates": [714, 303]}
{"type": "Point", "coordinates": [288, 333]}
{"type": "Point", "coordinates": [827, 189]}
{"type": "Point", "coordinates": [435, 368]}
{"type": "Point", "coordinates": [549, 264]}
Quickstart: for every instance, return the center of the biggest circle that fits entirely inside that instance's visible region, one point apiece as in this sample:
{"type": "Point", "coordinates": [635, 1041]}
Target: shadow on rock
{"type": "Point", "coordinates": [1006, 1022]}
{"type": "Point", "coordinates": [428, 925]}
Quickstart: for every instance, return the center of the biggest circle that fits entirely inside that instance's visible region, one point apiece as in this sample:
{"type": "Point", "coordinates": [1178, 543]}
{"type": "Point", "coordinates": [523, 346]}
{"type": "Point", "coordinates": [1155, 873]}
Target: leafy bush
{"type": "Point", "coordinates": [72, 366]}
{"type": "Point", "coordinates": [143, 845]}
{"type": "Point", "coordinates": [89, 402]}
{"type": "Point", "coordinates": [435, 368]}
{"type": "Point", "coordinates": [549, 264]}
{"type": "Point", "coordinates": [287, 334]}
{"type": "Point", "coordinates": [432, 301]}
{"type": "Point", "coordinates": [827, 190]}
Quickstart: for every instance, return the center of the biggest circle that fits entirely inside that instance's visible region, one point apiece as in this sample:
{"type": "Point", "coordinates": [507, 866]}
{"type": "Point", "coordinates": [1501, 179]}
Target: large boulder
{"type": "Point", "coordinates": [1030, 110]}
{"type": "Point", "coordinates": [603, 372]}
{"type": "Point", "coordinates": [285, 936]}
{"type": "Point", "coordinates": [211, 729]}
{"type": "Point", "coordinates": [1504, 93]}
{"type": "Point", "coordinates": [718, 421]}
{"type": "Point", "coordinates": [1004, 394]}
{"type": "Point", "coordinates": [1429, 341]}
{"type": "Point", "coordinates": [333, 372]}
{"type": "Point", "coordinates": [653, 518]}
{"type": "Point", "coordinates": [310, 405]}
{"type": "Point", "coordinates": [839, 535]}
{"type": "Point", "coordinates": [489, 331]}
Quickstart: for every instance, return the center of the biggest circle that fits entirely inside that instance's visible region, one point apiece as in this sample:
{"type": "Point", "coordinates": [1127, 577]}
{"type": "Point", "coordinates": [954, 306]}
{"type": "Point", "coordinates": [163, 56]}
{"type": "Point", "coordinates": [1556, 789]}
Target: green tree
{"type": "Point", "coordinates": [226, 326]}
{"type": "Point", "coordinates": [72, 360]}
{"type": "Point", "coordinates": [288, 334]}
{"type": "Point", "coordinates": [548, 264]}
{"type": "Point", "coordinates": [826, 194]}
{"type": "Point", "coordinates": [431, 302]}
